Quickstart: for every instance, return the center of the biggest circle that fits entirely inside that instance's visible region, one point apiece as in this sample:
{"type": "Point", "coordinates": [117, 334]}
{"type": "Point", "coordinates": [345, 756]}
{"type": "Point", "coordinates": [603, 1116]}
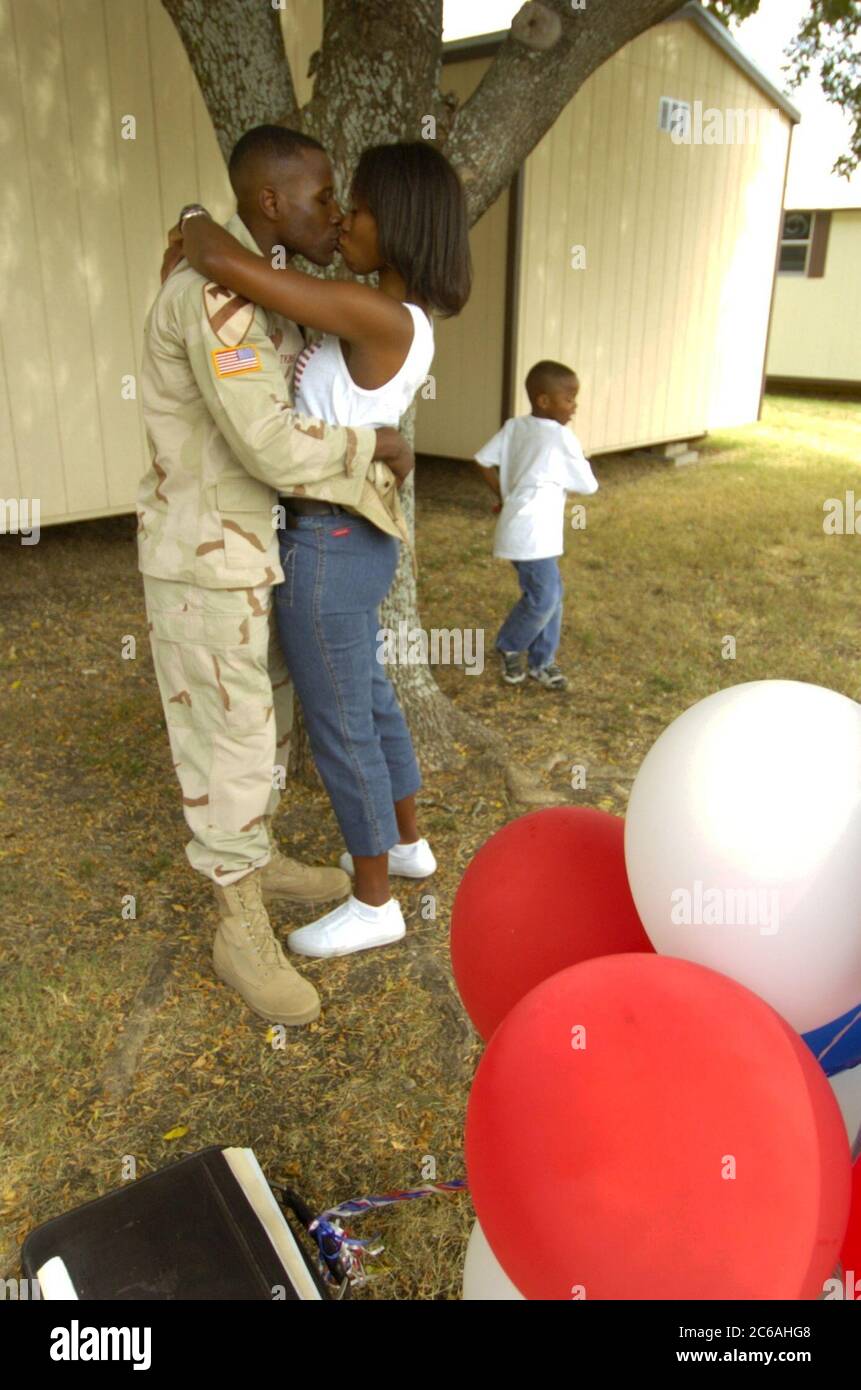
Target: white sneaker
{"type": "Point", "coordinates": [353, 926]}
{"type": "Point", "coordinates": [405, 861]}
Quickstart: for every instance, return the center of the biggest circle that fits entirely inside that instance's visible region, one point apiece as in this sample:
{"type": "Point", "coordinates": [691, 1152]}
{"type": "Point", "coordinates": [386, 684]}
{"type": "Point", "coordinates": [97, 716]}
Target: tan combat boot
{"type": "Point", "coordinates": [292, 882]}
{"type": "Point", "coordinates": [248, 957]}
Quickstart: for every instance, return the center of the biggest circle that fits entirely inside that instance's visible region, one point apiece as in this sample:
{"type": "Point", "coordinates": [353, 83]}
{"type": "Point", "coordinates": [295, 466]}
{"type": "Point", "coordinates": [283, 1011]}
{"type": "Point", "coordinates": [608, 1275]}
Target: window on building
{"type": "Point", "coordinates": [795, 243]}
{"type": "Point", "coordinates": [804, 243]}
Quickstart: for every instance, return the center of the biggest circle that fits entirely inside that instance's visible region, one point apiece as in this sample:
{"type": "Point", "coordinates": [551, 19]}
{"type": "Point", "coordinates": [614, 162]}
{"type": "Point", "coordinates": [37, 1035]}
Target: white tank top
{"type": "Point", "coordinates": [324, 389]}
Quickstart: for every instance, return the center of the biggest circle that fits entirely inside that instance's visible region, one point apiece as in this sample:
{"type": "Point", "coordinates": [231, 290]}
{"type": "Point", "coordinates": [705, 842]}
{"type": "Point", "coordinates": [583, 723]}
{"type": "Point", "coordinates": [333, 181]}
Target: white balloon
{"type": "Point", "coordinates": [743, 844]}
{"type": "Point", "coordinates": [483, 1275]}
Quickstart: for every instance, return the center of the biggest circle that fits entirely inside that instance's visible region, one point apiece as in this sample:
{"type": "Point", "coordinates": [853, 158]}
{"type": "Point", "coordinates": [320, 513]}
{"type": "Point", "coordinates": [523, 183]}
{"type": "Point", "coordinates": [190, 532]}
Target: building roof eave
{"type": "Point", "coordinates": [478, 46]}
{"type": "Point", "coordinates": [486, 45]}
{"type": "Point", "coordinates": [719, 35]}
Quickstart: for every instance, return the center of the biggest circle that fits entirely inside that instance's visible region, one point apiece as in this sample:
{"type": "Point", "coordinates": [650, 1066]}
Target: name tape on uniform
{"type": "Point", "coordinates": [233, 361]}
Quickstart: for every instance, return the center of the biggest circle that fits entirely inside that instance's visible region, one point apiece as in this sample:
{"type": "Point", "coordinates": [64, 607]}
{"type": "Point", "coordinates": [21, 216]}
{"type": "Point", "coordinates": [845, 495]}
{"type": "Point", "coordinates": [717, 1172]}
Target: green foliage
{"type": "Point", "coordinates": [828, 43]}
{"type": "Point", "coordinates": [725, 10]}
{"type": "Point", "coordinates": [830, 38]}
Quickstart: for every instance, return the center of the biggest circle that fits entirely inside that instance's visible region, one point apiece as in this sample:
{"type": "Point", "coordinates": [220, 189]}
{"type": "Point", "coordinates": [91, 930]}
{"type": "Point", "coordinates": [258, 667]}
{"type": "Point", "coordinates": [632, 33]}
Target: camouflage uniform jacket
{"type": "Point", "coordinates": [225, 439]}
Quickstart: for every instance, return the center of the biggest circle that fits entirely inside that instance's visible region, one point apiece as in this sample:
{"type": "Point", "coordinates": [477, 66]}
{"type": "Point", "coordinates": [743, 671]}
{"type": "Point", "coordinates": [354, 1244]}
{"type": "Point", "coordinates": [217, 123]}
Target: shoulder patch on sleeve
{"type": "Point", "coordinates": [230, 316]}
{"type": "Point", "coordinates": [234, 361]}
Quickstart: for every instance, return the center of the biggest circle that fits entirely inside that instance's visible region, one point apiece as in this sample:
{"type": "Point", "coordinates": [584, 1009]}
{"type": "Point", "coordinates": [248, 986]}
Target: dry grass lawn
{"type": "Point", "coordinates": [115, 1033]}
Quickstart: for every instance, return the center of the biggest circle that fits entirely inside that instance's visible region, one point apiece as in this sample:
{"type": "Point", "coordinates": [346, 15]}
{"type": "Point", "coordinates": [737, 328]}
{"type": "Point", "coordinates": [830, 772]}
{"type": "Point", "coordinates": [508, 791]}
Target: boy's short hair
{"type": "Point", "coordinates": [545, 376]}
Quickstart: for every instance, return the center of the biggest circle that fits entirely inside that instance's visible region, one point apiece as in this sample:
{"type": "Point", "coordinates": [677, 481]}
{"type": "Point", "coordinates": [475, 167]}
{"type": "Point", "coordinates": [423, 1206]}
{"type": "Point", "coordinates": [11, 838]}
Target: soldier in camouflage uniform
{"type": "Point", "coordinates": [217, 402]}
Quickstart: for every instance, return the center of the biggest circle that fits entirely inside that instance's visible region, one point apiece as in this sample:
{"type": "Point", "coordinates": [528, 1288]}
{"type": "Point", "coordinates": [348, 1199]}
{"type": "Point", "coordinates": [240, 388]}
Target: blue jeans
{"type": "Point", "coordinates": [337, 571]}
{"type": "Point", "coordinates": [534, 624]}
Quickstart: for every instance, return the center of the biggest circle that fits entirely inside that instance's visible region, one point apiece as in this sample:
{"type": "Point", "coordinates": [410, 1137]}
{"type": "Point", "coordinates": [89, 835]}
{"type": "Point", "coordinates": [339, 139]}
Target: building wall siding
{"type": "Point", "coordinates": [815, 330]}
{"type": "Point", "coordinates": [467, 369]}
{"type": "Point", "coordinates": [667, 324]}
{"type": "Point", "coordinates": [84, 219]}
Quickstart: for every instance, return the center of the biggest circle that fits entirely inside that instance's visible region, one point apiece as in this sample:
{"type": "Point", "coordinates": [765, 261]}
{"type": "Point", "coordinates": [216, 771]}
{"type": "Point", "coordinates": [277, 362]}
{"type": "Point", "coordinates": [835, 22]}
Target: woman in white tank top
{"type": "Point", "coordinates": [406, 222]}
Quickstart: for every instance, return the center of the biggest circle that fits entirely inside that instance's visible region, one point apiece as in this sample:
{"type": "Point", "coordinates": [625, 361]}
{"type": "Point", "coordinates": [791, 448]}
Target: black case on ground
{"type": "Point", "coordinates": [186, 1232]}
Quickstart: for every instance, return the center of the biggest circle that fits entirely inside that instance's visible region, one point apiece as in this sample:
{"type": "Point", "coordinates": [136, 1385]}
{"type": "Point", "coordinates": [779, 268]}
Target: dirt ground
{"type": "Point", "coordinates": [115, 1038]}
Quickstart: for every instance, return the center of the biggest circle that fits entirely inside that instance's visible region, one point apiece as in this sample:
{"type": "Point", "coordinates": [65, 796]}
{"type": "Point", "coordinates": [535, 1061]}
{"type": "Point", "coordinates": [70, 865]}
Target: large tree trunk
{"type": "Point", "coordinates": [435, 723]}
{"type": "Point", "coordinates": [377, 77]}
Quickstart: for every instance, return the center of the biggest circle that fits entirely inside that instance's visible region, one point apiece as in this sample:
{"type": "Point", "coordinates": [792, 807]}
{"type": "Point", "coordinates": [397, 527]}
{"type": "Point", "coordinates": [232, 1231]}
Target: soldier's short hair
{"type": "Point", "coordinates": [266, 142]}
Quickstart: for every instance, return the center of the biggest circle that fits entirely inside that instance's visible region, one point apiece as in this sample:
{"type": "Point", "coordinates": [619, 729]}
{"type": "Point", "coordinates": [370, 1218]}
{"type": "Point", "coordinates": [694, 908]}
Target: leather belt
{"type": "Point", "coordinates": [308, 506]}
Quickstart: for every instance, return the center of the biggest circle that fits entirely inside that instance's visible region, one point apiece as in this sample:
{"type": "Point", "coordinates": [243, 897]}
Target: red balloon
{"type": "Point", "coordinates": [850, 1256]}
{"type": "Point", "coordinates": [686, 1144]}
{"type": "Point", "coordinates": [546, 891]}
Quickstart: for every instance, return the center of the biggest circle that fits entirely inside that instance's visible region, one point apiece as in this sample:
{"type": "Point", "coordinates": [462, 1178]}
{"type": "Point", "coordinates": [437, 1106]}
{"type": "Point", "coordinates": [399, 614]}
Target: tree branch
{"type": "Point", "coordinates": [377, 74]}
{"type": "Point", "coordinates": [550, 51]}
{"type": "Point", "coordinates": [237, 53]}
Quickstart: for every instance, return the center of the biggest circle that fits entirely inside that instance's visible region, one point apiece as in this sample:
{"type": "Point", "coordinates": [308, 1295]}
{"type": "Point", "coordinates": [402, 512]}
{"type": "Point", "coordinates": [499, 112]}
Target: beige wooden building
{"type": "Point", "coordinates": [86, 198]}
{"type": "Point", "coordinates": [104, 135]}
{"type": "Point", "coordinates": [666, 319]}
{"type": "Point", "coordinates": [815, 342]}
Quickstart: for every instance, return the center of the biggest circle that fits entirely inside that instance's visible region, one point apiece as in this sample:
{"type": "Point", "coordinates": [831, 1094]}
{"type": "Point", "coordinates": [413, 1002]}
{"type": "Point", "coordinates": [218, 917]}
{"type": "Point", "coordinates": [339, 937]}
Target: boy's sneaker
{"type": "Point", "coordinates": [549, 676]}
{"type": "Point", "coordinates": [354, 926]}
{"type": "Point", "coordinates": [513, 671]}
{"type": "Point", "coordinates": [405, 861]}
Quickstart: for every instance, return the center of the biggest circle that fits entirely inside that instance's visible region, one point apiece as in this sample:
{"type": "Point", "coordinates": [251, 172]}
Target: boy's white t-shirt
{"type": "Point", "coordinates": [539, 461]}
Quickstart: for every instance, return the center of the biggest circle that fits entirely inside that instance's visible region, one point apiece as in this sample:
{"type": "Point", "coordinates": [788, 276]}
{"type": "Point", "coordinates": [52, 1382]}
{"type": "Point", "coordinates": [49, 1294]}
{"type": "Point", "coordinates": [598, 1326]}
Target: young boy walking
{"type": "Point", "coordinates": [530, 465]}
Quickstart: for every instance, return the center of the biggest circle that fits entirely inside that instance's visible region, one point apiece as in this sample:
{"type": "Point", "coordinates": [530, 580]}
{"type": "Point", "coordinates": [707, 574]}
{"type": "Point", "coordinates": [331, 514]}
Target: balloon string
{"type": "Point", "coordinates": [341, 1257]}
{"type": "Point", "coordinates": [359, 1205]}
{"type": "Point", "coordinates": [835, 1040]}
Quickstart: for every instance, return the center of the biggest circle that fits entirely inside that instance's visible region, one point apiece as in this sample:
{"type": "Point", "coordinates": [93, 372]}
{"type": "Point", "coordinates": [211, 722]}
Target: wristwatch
{"type": "Point", "coordinates": [191, 210]}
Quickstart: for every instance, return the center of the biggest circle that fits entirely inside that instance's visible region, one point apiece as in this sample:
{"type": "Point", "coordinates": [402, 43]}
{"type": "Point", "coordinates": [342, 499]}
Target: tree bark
{"type": "Point", "coordinates": [237, 53]}
{"type": "Point", "coordinates": [550, 51]}
{"type": "Point", "coordinates": [377, 77]}
{"type": "Point", "coordinates": [435, 723]}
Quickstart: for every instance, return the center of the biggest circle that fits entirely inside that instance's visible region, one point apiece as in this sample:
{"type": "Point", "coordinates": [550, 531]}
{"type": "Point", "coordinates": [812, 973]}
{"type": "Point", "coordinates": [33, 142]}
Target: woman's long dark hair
{"type": "Point", "coordinates": [417, 201]}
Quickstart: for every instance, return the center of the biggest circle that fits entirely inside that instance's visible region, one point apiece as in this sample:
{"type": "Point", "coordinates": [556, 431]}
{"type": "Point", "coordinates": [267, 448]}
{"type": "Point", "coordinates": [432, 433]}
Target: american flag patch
{"type": "Point", "coordinates": [232, 361]}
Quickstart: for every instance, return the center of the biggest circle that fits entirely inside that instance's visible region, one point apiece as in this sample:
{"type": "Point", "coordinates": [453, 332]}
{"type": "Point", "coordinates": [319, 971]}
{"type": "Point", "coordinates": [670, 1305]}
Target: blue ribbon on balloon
{"type": "Point", "coordinates": [837, 1045]}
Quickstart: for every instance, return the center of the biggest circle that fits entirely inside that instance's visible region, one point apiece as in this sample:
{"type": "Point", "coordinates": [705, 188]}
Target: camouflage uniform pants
{"type": "Point", "coordinates": [228, 703]}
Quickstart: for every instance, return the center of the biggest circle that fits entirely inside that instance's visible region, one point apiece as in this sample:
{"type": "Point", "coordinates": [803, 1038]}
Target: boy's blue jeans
{"type": "Point", "coordinates": [337, 571]}
{"type": "Point", "coordinates": [534, 624]}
